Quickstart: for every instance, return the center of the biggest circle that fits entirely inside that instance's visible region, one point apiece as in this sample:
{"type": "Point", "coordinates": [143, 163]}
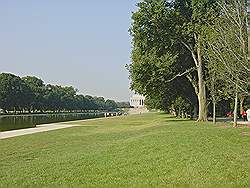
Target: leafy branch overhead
{"type": "Point", "coordinates": [191, 43]}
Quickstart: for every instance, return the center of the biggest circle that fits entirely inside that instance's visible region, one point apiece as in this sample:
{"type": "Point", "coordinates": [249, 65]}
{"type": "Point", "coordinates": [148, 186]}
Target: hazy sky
{"type": "Point", "coordinates": [83, 43]}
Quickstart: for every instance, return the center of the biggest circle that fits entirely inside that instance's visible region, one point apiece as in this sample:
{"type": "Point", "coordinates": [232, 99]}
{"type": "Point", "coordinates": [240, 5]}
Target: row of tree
{"type": "Point", "coordinates": [31, 94]}
{"type": "Point", "coordinates": [190, 53]}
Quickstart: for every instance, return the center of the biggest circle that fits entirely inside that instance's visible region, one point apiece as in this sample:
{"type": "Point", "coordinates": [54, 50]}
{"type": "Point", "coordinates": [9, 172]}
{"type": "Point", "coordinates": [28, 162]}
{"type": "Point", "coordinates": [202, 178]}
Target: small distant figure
{"type": "Point", "coordinates": [244, 115]}
{"type": "Point", "coordinates": [248, 114]}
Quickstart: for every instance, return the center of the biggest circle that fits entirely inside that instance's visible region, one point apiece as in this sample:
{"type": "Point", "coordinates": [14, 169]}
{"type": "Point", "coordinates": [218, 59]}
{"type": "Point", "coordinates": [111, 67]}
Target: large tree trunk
{"type": "Point", "coordinates": [202, 87]}
{"type": "Point", "coordinates": [241, 104]}
{"type": "Point", "coordinates": [214, 112]}
{"type": "Point", "coordinates": [182, 114]}
{"type": "Point", "coordinates": [195, 112]}
{"type": "Point", "coordinates": [202, 102]}
{"type": "Point", "coordinates": [235, 109]}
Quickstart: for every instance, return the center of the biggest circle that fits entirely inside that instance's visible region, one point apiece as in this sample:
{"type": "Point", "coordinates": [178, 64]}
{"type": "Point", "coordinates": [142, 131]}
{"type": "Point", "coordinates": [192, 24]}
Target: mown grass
{"type": "Point", "coordinates": [149, 150]}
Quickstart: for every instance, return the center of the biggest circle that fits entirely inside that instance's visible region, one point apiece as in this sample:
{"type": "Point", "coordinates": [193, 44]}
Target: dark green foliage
{"type": "Point", "coordinates": [158, 55]}
{"type": "Point", "coordinates": [31, 94]}
{"type": "Point", "coordinates": [14, 93]}
{"type": "Point", "coordinates": [170, 57]}
{"type": "Point", "coordinates": [123, 104]}
{"type": "Point", "coordinates": [111, 104]}
{"type": "Point", "coordinates": [38, 89]}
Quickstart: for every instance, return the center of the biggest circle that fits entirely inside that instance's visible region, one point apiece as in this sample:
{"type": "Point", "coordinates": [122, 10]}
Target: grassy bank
{"type": "Point", "coordinates": [141, 150]}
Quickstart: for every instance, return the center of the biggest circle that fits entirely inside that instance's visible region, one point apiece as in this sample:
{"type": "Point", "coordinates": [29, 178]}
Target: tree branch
{"type": "Point", "coordinates": [192, 53]}
{"type": "Point", "coordinates": [193, 84]}
{"type": "Point", "coordinates": [182, 74]}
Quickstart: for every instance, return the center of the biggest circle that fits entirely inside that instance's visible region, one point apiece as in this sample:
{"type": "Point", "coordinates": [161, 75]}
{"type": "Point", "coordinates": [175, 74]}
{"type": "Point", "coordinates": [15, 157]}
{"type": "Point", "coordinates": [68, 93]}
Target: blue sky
{"type": "Point", "coordinates": [82, 43]}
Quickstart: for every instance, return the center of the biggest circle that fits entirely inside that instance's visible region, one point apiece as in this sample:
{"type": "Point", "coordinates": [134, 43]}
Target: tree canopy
{"type": "Point", "coordinates": [32, 94]}
{"type": "Point", "coordinates": [170, 55]}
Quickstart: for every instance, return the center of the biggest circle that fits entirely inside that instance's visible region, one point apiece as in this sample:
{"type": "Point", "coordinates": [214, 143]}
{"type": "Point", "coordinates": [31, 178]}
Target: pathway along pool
{"type": "Point", "coordinates": [13, 122]}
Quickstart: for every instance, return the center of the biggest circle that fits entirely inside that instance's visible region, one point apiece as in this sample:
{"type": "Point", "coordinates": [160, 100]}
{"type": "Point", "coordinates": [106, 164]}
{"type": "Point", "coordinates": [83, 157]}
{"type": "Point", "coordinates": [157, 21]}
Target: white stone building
{"type": "Point", "coordinates": [137, 101]}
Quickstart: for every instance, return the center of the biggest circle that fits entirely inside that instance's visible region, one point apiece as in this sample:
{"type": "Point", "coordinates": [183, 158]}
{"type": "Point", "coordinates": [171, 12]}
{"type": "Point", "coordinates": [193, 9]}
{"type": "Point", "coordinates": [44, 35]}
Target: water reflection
{"type": "Point", "coordinates": [12, 122]}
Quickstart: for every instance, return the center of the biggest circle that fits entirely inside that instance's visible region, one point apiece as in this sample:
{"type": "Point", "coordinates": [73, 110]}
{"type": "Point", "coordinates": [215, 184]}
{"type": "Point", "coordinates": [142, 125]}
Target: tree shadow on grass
{"type": "Point", "coordinates": [221, 119]}
{"type": "Point", "coordinates": [179, 120]}
{"type": "Point", "coordinates": [89, 127]}
{"type": "Point", "coordinates": [171, 118]}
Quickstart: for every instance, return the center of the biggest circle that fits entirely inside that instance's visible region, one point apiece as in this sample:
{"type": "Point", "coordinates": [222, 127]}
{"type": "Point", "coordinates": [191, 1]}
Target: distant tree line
{"type": "Point", "coordinates": [31, 94]}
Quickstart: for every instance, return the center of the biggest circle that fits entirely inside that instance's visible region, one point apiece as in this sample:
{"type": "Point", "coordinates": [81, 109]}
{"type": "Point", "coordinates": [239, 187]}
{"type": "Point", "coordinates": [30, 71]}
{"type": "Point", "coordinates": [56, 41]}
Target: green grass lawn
{"type": "Point", "coordinates": [149, 150]}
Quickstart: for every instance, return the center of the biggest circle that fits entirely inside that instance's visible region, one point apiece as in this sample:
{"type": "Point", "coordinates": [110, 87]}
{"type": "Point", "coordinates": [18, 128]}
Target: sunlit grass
{"type": "Point", "coordinates": [141, 150]}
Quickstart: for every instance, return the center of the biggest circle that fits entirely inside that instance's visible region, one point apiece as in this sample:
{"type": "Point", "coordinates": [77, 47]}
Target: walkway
{"type": "Point", "coordinates": [226, 119]}
{"type": "Point", "coordinates": [243, 122]}
{"type": "Point", "coordinates": [37, 129]}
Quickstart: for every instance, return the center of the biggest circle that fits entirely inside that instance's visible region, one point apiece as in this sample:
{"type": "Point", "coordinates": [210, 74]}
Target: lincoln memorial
{"type": "Point", "coordinates": [137, 101]}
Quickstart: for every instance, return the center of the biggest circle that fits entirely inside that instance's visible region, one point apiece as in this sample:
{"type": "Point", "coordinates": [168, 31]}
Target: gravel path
{"type": "Point", "coordinates": [37, 129]}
